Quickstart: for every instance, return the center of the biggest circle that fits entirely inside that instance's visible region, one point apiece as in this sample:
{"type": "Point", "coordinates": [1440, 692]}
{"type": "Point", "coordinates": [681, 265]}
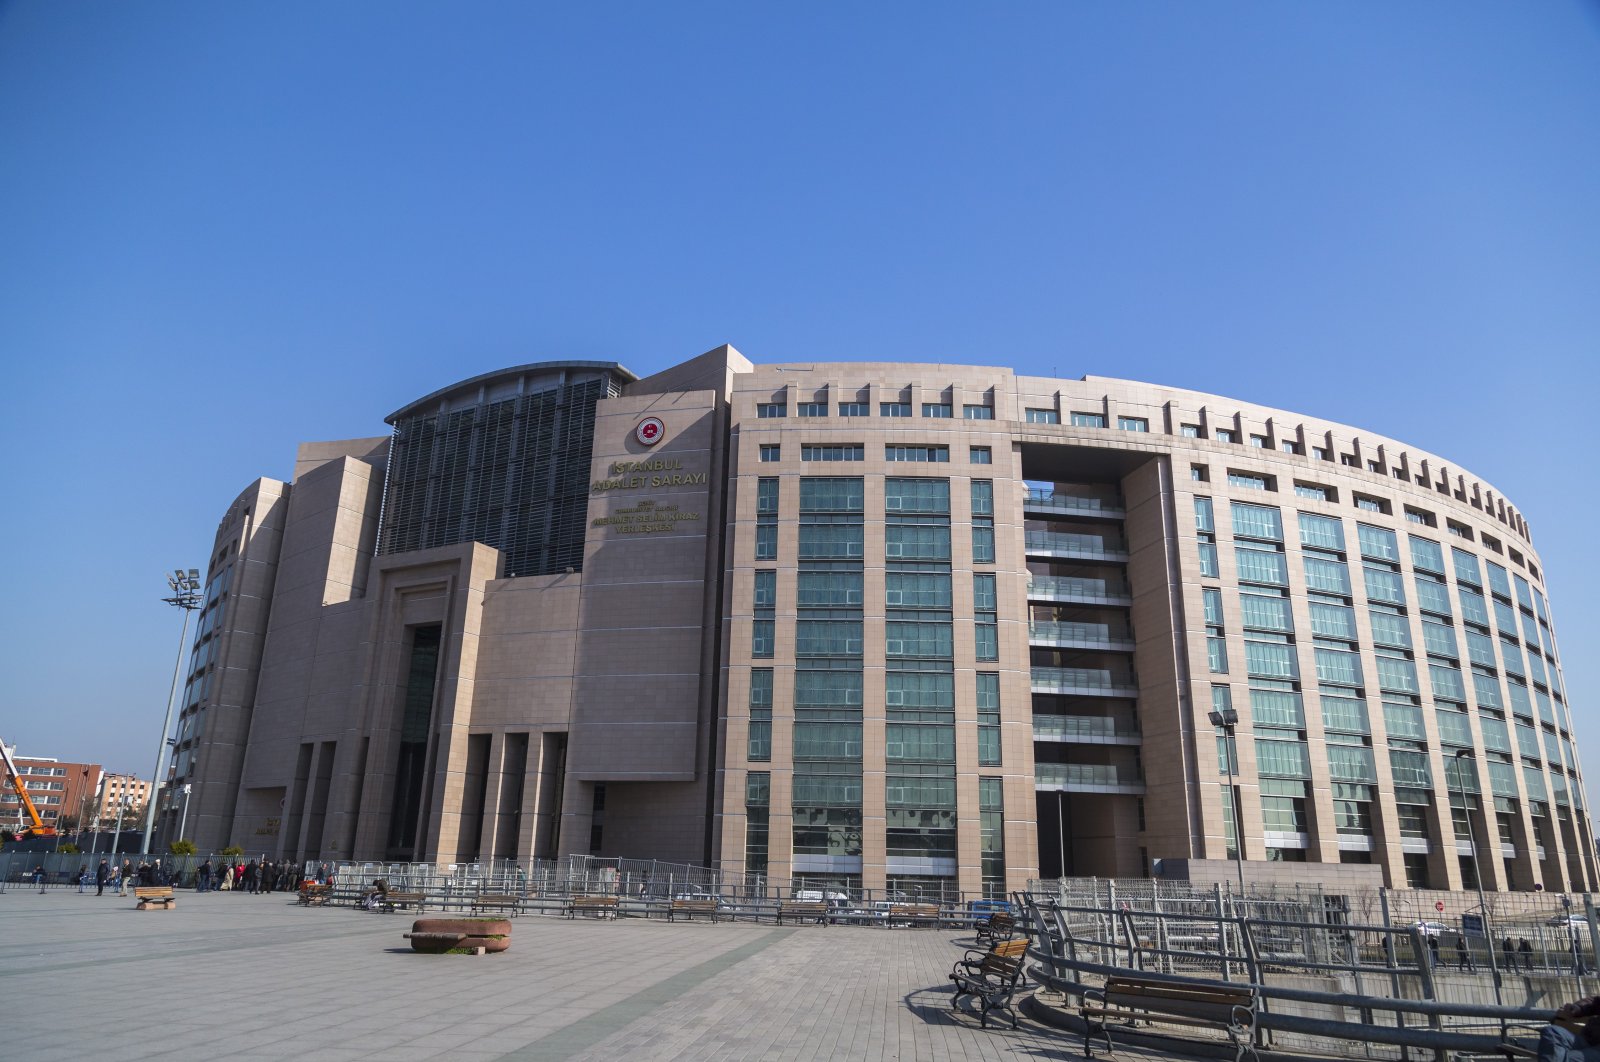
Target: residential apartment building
{"type": "Point", "coordinates": [63, 793]}
{"type": "Point", "coordinates": [925, 628]}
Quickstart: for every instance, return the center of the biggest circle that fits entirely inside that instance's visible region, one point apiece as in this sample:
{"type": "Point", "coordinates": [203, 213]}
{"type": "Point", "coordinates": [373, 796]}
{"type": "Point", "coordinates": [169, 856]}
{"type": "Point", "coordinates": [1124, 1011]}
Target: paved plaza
{"type": "Point", "coordinates": [248, 977]}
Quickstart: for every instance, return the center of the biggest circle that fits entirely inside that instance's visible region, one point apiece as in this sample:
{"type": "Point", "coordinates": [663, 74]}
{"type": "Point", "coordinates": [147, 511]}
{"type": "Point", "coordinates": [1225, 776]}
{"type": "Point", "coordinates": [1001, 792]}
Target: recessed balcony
{"type": "Point", "coordinates": [1052, 635]}
{"type": "Point", "coordinates": [1044, 503]}
{"type": "Point", "coordinates": [1068, 590]}
{"type": "Point", "coordinates": [1086, 778]}
{"type": "Point", "coordinates": [1082, 682]}
{"type": "Point", "coordinates": [1083, 730]}
{"type": "Point", "coordinates": [1065, 545]}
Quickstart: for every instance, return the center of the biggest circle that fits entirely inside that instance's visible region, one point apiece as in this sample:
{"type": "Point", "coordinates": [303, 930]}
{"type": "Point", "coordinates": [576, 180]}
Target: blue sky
{"type": "Point", "coordinates": [229, 228]}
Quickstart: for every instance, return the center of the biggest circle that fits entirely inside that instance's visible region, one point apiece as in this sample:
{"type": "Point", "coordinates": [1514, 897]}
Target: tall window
{"type": "Point", "coordinates": [982, 521]}
{"type": "Point", "coordinates": [767, 519]}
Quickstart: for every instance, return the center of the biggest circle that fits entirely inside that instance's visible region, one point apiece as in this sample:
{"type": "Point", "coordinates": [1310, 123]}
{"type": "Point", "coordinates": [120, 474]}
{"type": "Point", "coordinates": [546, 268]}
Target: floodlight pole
{"type": "Point", "coordinates": [185, 595]}
{"type": "Point", "coordinates": [1228, 719]}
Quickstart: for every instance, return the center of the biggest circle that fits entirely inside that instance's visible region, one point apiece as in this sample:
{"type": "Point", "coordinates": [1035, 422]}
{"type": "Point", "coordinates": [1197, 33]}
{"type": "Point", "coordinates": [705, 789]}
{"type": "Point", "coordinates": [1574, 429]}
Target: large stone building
{"type": "Point", "coordinates": [916, 627]}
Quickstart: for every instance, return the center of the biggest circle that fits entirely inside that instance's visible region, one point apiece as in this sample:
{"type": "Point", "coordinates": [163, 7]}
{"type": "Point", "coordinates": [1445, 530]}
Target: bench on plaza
{"type": "Point", "coordinates": [803, 910]}
{"type": "Point", "coordinates": [390, 901]}
{"type": "Point", "coordinates": [990, 977]}
{"type": "Point", "coordinates": [913, 914]}
{"type": "Point", "coordinates": [1230, 1008]}
{"type": "Point", "coordinates": [997, 927]}
{"type": "Point", "coordinates": [497, 902]}
{"type": "Point", "coordinates": [314, 893]}
{"type": "Point", "coordinates": [690, 908]}
{"type": "Point", "coordinates": [152, 895]}
{"type": "Point", "coordinates": [599, 906]}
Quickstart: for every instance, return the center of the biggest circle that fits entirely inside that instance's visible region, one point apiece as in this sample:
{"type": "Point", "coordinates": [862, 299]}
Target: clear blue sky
{"type": "Point", "coordinates": [229, 228]}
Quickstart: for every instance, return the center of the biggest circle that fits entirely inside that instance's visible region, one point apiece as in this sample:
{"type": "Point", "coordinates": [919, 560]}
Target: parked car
{"type": "Point", "coordinates": [1568, 921]}
{"type": "Point", "coordinates": [1430, 929]}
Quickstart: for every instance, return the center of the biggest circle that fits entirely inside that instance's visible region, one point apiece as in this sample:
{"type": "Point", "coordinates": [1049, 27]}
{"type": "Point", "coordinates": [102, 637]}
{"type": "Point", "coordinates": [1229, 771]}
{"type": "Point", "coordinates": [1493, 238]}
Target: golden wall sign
{"type": "Point", "coordinates": [646, 518]}
{"type": "Point", "coordinates": [652, 472]}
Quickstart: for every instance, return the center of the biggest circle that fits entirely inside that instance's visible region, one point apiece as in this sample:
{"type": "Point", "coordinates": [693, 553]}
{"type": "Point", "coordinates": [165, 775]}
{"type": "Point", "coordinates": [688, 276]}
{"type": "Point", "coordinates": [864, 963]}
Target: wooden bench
{"type": "Point", "coordinates": [690, 908]}
{"type": "Point", "coordinates": [997, 927]}
{"type": "Point", "coordinates": [390, 900]}
{"type": "Point", "coordinates": [1231, 1008]}
{"type": "Point", "coordinates": [314, 893]}
{"type": "Point", "coordinates": [801, 910]}
{"type": "Point", "coordinates": [599, 906]}
{"type": "Point", "coordinates": [151, 895]}
{"type": "Point", "coordinates": [496, 902]}
{"type": "Point", "coordinates": [914, 913]}
{"type": "Point", "coordinates": [991, 977]}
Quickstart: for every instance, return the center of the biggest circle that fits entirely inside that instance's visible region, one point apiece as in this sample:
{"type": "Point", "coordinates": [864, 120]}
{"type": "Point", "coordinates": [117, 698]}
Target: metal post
{"type": "Point", "coordinates": [1228, 720]}
{"type": "Point", "coordinates": [183, 823]}
{"type": "Point", "coordinates": [185, 590]}
{"type": "Point", "coordinates": [1477, 873]}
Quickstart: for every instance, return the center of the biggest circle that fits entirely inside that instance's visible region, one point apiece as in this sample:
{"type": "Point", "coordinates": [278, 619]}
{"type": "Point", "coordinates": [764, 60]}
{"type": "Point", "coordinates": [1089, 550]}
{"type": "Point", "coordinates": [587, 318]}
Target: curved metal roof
{"type": "Point", "coordinates": [484, 379]}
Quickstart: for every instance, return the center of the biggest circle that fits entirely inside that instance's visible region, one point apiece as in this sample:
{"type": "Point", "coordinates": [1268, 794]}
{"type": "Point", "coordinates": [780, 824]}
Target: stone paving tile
{"type": "Point", "coordinates": [257, 977]}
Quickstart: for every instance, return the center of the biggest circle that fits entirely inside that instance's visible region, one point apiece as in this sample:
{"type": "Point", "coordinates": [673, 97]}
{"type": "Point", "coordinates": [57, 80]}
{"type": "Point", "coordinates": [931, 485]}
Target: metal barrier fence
{"type": "Point", "coordinates": [1321, 977]}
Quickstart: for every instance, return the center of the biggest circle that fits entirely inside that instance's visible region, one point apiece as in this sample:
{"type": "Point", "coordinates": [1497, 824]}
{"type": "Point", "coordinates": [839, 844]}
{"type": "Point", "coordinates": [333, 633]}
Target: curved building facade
{"type": "Point", "coordinates": [922, 628]}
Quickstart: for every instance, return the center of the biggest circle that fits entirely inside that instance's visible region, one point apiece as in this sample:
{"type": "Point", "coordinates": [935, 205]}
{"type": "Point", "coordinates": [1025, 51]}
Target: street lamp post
{"type": "Point", "coordinates": [185, 595]}
{"type": "Point", "coordinates": [1477, 870]}
{"type": "Point", "coordinates": [1228, 719]}
{"type": "Point", "coordinates": [122, 804]}
{"type": "Point", "coordinates": [183, 823]}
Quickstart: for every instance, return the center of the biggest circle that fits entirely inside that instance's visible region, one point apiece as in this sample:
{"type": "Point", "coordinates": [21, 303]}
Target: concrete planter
{"type": "Point", "coordinates": [460, 936]}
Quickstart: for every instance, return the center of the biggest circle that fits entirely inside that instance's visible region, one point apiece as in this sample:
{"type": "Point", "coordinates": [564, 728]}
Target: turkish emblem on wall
{"type": "Point", "coordinates": [650, 431]}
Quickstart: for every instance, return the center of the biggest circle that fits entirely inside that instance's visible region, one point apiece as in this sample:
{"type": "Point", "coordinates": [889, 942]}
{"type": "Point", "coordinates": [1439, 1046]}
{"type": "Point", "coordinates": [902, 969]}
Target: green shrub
{"type": "Point", "coordinates": [182, 848]}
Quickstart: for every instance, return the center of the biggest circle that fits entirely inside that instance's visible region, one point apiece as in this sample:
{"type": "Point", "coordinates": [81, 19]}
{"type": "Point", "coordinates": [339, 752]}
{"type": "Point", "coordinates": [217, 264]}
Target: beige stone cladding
{"type": "Point", "coordinates": [645, 671]}
{"type": "Point", "coordinates": [214, 722]}
{"type": "Point", "coordinates": [797, 445]}
{"type": "Point", "coordinates": [310, 659]}
{"type": "Point", "coordinates": [1173, 446]}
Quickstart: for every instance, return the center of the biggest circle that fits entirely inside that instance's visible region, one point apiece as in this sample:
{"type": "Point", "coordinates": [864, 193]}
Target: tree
{"type": "Point", "coordinates": [182, 848]}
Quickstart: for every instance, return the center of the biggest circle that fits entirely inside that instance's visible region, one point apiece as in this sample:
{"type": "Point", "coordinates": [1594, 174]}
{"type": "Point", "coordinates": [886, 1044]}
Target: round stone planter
{"type": "Point", "coordinates": [459, 936]}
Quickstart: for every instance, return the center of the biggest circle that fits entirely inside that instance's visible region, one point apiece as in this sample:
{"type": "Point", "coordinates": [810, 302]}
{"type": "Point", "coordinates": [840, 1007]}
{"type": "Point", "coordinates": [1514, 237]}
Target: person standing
{"type": "Point", "coordinates": [102, 874]}
{"type": "Point", "coordinates": [38, 877]}
{"type": "Point", "coordinates": [202, 877]}
{"type": "Point", "coordinates": [1526, 951]}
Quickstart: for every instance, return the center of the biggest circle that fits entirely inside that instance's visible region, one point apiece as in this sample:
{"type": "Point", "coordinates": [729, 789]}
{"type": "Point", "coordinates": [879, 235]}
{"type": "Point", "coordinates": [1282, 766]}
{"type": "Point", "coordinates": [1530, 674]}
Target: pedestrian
{"type": "Point", "coordinates": [1463, 956]}
{"type": "Point", "coordinates": [1579, 967]}
{"type": "Point", "coordinates": [1509, 950]}
{"type": "Point", "coordinates": [267, 871]}
{"type": "Point", "coordinates": [227, 880]}
{"type": "Point", "coordinates": [202, 877]}
{"type": "Point", "coordinates": [1526, 951]}
{"type": "Point", "coordinates": [83, 879]}
{"type": "Point", "coordinates": [250, 871]}
{"type": "Point", "coordinates": [38, 877]}
{"type": "Point", "coordinates": [123, 877]}
{"type": "Point", "coordinates": [102, 874]}
{"type": "Point", "coordinates": [1433, 951]}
